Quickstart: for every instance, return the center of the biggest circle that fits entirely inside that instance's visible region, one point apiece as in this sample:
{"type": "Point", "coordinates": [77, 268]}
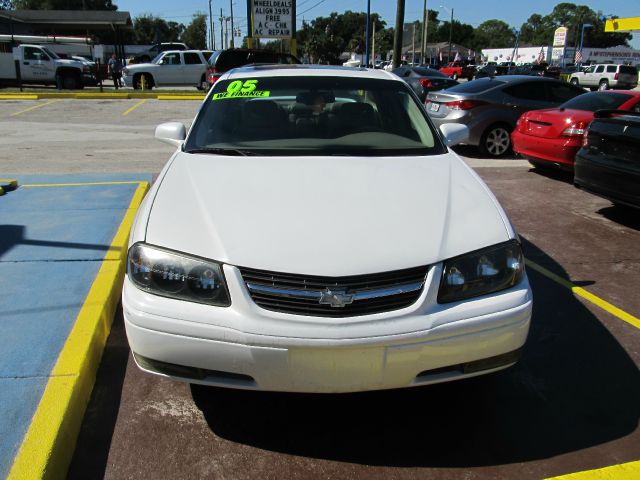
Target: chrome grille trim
{"type": "Point", "coordinates": [347, 296]}
{"type": "Point", "coordinates": [363, 295]}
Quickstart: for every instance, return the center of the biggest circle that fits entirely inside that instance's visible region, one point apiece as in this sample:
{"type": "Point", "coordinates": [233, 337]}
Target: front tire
{"type": "Point", "coordinates": [575, 82]}
{"type": "Point", "coordinates": [70, 82]}
{"type": "Point", "coordinates": [496, 141]}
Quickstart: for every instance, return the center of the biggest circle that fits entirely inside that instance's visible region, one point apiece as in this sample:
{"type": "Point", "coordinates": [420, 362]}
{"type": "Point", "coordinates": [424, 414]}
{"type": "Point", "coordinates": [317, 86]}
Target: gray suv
{"type": "Point", "coordinates": [490, 107]}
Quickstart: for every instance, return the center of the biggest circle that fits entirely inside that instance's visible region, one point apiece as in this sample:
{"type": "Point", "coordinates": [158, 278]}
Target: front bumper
{"type": "Point", "coordinates": [244, 346]}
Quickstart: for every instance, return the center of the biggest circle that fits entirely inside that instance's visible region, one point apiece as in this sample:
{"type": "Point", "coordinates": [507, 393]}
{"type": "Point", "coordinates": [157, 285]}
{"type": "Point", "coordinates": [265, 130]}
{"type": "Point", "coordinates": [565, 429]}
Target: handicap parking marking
{"type": "Point", "coordinates": [40, 105]}
{"type": "Point", "coordinates": [62, 257]}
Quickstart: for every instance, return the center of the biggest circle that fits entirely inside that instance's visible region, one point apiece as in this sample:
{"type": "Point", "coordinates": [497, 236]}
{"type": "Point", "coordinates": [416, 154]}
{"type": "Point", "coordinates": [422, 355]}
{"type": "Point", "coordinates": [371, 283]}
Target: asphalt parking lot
{"type": "Point", "coordinates": [571, 404]}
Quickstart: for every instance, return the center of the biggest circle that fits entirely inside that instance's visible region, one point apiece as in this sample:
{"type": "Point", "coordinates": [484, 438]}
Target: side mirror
{"type": "Point", "coordinates": [454, 133]}
{"type": "Point", "coordinates": [172, 133]}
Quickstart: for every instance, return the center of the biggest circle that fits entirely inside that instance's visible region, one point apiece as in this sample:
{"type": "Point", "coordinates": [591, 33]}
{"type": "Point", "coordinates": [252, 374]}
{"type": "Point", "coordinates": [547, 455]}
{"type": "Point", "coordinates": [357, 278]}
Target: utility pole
{"type": "Point", "coordinates": [373, 44]}
{"type": "Point", "coordinates": [397, 38]}
{"type": "Point", "coordinates": [226, 32]}
{"type": "Point", "coordinates": [221, 30]}
{"type": "Point", "coordinates": [211, 31]}
{"type": "Point", "coordinates": [450, 34]}
{"type": "Point", "coordinates": [413, 44]}
{"type": "Point", "coordinates": [425, 26]}
{"type": "Point", "coordinates": [233, 32]}
{"type": "Point", "coordinates": [366, 40]}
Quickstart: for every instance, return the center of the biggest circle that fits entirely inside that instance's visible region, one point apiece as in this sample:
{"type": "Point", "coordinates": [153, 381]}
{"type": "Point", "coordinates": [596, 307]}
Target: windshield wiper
{"type": "Point", "coordinates": [222, 151]}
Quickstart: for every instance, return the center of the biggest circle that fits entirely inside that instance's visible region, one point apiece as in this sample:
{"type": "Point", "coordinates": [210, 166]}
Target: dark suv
{"type": "Point", "coordinates": [608, 164]}
{"type": "Point", "coordinates": [224, 60]}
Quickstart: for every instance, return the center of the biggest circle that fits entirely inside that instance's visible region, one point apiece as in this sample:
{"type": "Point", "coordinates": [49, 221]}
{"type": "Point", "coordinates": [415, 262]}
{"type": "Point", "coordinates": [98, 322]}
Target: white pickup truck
{"type": "Point", "coordinates": [171, 68]}
{"type": "Point", "coordinates": [39, 65]}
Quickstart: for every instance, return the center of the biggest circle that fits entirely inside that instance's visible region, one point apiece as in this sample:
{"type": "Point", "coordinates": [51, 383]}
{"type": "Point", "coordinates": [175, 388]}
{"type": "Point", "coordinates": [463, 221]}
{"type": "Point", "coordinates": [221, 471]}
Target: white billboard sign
{"type": "Point", "coordinates": [273, 18]}
{"type": "Point", "coordinates": [560, 37]}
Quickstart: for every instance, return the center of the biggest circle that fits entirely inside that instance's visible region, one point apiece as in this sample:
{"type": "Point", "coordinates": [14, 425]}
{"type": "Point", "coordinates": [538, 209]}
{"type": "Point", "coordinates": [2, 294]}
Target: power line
{"type": "Point", "coordinates": [311, 8]}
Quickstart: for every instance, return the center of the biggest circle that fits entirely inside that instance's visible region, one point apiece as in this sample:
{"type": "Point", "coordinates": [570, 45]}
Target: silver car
{"type": "Point", "coordinates": [490, 107]}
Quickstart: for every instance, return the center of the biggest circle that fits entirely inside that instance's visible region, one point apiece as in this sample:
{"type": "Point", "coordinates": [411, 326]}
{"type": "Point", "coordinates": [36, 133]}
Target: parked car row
{"type": "Point", "coordinates": [200, 69]}
{"type": "Point", "coordinates": [490, 107]}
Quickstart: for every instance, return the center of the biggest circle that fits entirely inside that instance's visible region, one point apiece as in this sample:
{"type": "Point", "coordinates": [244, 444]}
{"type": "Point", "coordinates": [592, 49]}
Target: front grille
{"type": "Point", "coordinates": [314, 295]}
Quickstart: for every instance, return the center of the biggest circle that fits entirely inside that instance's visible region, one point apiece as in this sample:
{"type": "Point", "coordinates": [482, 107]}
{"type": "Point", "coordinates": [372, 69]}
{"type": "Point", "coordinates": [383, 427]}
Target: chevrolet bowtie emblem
{"type": "Point", "coordinates": [336, 298]}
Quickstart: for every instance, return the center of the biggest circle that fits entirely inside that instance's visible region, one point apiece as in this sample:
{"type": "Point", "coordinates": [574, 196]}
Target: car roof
{"type": "Point", "coordinates": [309, 70]}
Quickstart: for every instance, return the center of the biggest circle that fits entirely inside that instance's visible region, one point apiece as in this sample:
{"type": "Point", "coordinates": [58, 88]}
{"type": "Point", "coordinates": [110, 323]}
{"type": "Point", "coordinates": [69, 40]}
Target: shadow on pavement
{"type": "Point", "coordinates": [12, 235]}
{"type": "Point", "coordinates": [623, 215]}
{"type": "Point", "coordinates": [94, 442]}
{"type": "Point", "coordinates": [574, 388]}
{"type": "Point", "coordinates": [554, 173]}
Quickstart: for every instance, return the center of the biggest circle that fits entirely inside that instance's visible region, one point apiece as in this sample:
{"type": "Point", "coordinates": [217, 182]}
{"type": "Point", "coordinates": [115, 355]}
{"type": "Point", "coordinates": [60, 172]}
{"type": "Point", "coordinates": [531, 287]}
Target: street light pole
{"type": "Point", "coordinates": [211, 31]}
{"type": "Point", "coordinates": [584, 25]}
{"type": "Point", "coordinates": [232, 31]}
{"type": "Point", "coordinates": [366, 41]}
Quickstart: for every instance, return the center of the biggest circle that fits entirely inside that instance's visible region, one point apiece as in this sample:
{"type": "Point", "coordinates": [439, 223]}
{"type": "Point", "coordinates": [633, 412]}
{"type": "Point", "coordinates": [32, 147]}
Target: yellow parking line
{"type": "Point", "coordinates": [624, 471]}
{"type": "Point", "coordinates": [80, 184]}
{"type": "Point", "coordinates": [581, 292]}
{"type": "Point", "coordinates": [48, 445]}
{"type": "Point", "coordinates": [40, 105]}
{"type": "Point", "coordinates": [134, 107]}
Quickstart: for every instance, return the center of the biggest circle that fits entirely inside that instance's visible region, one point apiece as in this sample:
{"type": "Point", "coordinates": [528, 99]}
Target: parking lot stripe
{"type": "Point", "coordinates": [624, 471]}
{"type": "Point", "coordinates": [180, 97]}
{"type": "Point", "coordinates": [134, 107]}
{"type": "Point", "coordinates": [581, 292]}
{"type": "Point", "coordinates": [49, 443]}
{"type": "Point", "coordinates": [40, 105]}
{"type": "Point", "coordinates": [79, 184]}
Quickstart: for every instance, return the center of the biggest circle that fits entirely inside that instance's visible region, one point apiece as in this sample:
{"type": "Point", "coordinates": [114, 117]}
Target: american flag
{"type": "Point", "coordinates": [578, 56]}
{"type": "Point", "coordinates": [541, 56]}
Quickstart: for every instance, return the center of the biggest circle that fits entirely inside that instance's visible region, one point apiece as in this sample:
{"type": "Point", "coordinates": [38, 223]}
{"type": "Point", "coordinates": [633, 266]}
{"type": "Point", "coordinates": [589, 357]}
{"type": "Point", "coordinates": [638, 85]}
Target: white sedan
{"type": "Point", "coordinates": [313, 232]}
{"type": "Point", "coordinates": [170, 69]}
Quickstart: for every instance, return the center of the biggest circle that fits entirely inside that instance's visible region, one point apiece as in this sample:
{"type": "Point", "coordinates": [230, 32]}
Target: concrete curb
{"type": "Point", "coordinates": [101, 96]}
{"type": "Point", "coordinates": [48, 445]}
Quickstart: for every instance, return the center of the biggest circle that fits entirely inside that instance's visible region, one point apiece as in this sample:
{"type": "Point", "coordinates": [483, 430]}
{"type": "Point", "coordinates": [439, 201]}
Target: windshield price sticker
{"type": "Point", "coordinates": [240, 89]}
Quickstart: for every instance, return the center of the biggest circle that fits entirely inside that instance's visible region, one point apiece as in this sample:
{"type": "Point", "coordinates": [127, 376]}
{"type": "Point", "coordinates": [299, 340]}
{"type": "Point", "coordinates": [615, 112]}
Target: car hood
{"type": "Point", "coordinates": [69, 63]}
{"type": "Point", "coordinates": [330, 216]}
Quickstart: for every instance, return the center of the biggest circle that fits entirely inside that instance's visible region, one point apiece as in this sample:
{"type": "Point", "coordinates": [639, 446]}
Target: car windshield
{"type": "Point", "coordinates": [315, 115]}
{"type": "Point", "coordinates": [596, 101]}
{"type": "Point", "coordinates": [50, 53]}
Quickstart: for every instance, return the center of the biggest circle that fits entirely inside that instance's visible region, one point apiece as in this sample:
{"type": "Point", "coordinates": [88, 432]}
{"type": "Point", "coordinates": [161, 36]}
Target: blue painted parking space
{"type": "Point", "coordinates": [54, 233]}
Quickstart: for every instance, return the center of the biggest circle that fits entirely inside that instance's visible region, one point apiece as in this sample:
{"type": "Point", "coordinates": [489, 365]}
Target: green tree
{"type": "Point", "coordinates": [64, 5]}
{"type": "Point", "coordinates": [195, 34]}
{"type": "Point", "coordinates": [326, 38]}
{"type": "Point", "coordinates": [538, 30]}
{"type": "Point", "coordinates": [6, 5]}
{"type": "Point", "coordinates": [493, 34]}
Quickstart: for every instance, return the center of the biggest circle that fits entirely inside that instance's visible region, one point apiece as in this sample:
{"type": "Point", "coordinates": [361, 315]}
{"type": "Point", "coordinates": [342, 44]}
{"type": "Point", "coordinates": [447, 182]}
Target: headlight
{"type": "Point", "coordinates": [483, 271]}
{"type": "Point", "coordinates": [86, 68]}
{"type": "Point", "coordinates": [176, 275]}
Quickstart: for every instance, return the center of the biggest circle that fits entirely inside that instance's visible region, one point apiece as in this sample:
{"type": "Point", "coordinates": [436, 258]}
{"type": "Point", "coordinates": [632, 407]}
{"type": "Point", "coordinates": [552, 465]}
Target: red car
{"type": "Point", "coordinates": [553, 136]}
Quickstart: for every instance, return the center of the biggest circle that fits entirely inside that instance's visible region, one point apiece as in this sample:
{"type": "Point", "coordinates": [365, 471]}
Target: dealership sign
{"type": "Point", "coordinates": [560, 37]}
{"type": "Point", "coordinates": [272, 18]}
